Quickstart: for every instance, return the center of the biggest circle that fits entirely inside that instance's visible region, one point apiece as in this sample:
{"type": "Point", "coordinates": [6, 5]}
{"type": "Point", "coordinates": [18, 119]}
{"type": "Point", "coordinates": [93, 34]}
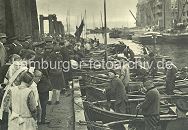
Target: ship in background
{"type": "Point", "coordinates": [123, 33]}
{"type": "Point", "coordinates": [167, 17]}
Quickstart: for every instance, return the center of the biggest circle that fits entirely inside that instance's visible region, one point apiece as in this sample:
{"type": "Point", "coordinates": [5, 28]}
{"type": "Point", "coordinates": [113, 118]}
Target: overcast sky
{"type": "Point", "coordinates": [118, 14]}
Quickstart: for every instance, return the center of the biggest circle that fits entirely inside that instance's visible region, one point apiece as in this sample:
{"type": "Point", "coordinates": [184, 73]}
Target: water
{"type": "Point", "coordinates": [178, 52]}
{"type": "Point", "coordinates": [137, 48]}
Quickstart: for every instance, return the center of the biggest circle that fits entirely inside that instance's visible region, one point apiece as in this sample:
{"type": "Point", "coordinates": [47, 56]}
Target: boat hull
{"type": "Point", "coordinates": [147, 39]}
{"type": "Point", "coordinates": [175, 39]}
{"type": "Point", "coordinates": [163, 39]}
{"type": "Point", "coordinates": [93, 113]}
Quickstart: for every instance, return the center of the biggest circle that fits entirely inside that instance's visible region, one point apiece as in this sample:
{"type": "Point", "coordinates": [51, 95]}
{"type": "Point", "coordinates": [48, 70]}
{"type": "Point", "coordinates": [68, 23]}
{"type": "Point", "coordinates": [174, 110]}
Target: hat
{"type": "Point", "coordinates": [13, 38]}
{"type": "Point", "coordinates": [39, 44]}
{"type": "Point", "coordinates": [78, 43]}
{"type": "Point", "coordinates": [48, 39]}
{"type": "Point", "coordinates": [168, 59]}
{"type": "Point", "coordinates": [48, 47]}
{"type": "Point", "coordinates": [182, 105]}
{"type": "Point", "coordinates": [28, 37]}
{"type": "Point", "coordinates": [3, 35]}
{"type": "Point", "coordinates": [184, 69]}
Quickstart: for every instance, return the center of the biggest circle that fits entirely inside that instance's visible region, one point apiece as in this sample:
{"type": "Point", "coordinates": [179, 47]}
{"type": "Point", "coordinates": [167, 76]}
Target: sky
{"type": "Point", "coordinates": [118, 14]}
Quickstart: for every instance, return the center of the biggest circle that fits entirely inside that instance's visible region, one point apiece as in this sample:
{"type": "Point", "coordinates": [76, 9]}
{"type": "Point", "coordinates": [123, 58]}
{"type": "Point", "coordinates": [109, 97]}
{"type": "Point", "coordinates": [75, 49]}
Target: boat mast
{"type": "Point", "coordinates": [85, 20]}
{"type": "Point", "coordinates": [105, 33]}
{"type": "Point", "coordinates": [101, 20]}
{"type": "Point", "coordinates": [178, 11]}
{"type": "Point", "coordinates": [67, 23]}
{"type": "Point", "coordinates": [105, 25]}
{"type": "Point", "coordinates": [164, 10]}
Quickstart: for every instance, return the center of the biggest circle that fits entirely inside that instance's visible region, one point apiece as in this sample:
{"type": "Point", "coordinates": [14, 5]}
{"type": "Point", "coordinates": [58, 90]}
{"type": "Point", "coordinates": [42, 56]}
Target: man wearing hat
{"type": "Point", "coordinates": [28, 42]}
{"type": "Point", "coordinates": [15, 46]}
{"type": "Point", "coordinates": [2, 49]}
{"type": "Point", "coordinates": [151, 106]}
{"type": "Point", "coordinates": [117, 92]}
{"type": "Point", "coordinates": [171, 71]}
{"type": "Point", "coordinates": [181, 123]}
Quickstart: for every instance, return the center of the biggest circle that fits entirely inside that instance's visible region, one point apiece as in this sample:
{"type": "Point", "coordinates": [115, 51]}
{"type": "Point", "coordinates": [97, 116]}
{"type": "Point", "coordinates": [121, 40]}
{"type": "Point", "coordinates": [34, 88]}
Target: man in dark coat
{"type": "Point", "coordinates": [170, 78]}
{"type": "Point", "coordinates": [66, 59]}
{"type": "Point", "coordinates": [129, 53]}
{"type": "Point", "coordinates": [151, 106]}
{"type": "Point", "coordinates": [153, 65]}
{"type": "Point", "coordinates": [117, 92]}
{"type": "Point", "coordinates": [43, 89]}
{"type": "Point", "coordinates": [181, 123]}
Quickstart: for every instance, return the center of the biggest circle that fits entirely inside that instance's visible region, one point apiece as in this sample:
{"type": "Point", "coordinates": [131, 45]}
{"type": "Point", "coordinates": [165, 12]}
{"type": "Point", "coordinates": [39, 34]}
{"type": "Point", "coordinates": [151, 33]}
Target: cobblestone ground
{"type": "Point", "coordinates": [60, 116]}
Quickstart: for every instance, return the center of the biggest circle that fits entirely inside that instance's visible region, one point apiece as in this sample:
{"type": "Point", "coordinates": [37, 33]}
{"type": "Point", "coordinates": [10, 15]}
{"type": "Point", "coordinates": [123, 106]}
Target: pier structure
{"type": "Point", "coordinates": [55, 27]}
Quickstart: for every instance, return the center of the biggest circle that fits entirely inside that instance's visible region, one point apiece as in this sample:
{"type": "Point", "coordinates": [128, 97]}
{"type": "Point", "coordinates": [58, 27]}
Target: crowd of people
{"type": "Point", "coordinates": [27, 87]}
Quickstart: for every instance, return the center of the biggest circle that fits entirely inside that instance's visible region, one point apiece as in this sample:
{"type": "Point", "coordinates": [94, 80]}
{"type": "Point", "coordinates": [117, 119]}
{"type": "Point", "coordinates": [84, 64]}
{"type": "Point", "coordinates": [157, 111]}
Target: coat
{"type": "Point", "coordinates": [151, 104]}
{"type": "Point", "coordinates": [117, 92]}
{"type": "Point", "coordinates": [44, 85]}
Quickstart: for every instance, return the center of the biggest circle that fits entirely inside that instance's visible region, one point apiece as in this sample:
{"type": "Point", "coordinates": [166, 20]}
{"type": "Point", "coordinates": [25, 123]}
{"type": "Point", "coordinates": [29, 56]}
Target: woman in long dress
{"type": "Point", "coordinates": [21, 102]}
{"type": "Point", "coordinates": [56, 76]}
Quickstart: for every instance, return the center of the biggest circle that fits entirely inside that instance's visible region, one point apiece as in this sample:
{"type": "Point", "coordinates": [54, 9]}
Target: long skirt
{"type": "Point", "coordinates": [57, 80]}
{"type": "Point", "coordinates": [29, 124]}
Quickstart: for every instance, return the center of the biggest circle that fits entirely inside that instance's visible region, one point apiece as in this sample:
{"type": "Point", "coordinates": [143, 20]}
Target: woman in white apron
{"type": "Point", "coordinates": [21, 101]}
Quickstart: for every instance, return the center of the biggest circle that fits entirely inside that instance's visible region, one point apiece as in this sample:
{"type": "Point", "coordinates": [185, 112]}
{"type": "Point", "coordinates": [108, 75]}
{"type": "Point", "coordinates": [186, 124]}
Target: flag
{"type": "Point", "coordinates": [79, 30]}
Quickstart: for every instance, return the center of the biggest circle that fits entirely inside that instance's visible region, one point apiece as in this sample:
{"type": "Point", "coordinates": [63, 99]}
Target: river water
{"type": "Point", "coordinates": [178, 52]}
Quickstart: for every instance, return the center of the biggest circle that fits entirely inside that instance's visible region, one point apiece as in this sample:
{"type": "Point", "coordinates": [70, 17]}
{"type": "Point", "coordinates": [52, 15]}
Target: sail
{"type": "Point", "coordinates": [79, 30]}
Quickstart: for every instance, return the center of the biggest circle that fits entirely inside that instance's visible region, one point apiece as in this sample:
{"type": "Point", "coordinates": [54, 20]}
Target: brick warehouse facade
{"type": "Point", "coordinates": [163, 14]}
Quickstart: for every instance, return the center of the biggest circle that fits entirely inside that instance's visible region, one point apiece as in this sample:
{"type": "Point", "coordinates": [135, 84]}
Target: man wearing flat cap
{"type": "Point", "coordinates": [181, 123]}
{"type": "Point", "coordinates": [15, 47]}
{"type": "Point", "coordinates": [28, 42]}
{"type": "Point", "coordinates": [116, 91]}
{"type": "Point", "coordinates": [2, 49]}
{"type": "Point", "coordinates": [151, 106]}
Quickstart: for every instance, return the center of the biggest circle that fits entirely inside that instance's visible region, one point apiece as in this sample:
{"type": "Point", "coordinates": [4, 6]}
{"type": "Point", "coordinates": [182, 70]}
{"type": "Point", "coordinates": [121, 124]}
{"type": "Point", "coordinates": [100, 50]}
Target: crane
{"type": "Point", "coordinates": [132, 14]}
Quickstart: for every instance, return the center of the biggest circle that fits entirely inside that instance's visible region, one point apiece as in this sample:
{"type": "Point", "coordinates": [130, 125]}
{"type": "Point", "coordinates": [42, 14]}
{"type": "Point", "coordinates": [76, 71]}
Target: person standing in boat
{"type": "Point", "coordinates": [129, 53]}
{"type": "Point", "coordinates": [125, 75]}
{"type": "Point", "coordinates": [117, 92]}
{"type": "Point", "coordinates": [171, 71]}
{"type": "Point", "coordinates": [151, 106]}
{"type": "Point", "coordinates": [153, 65]}
{"type": "Point", "coordinates": [181, 123]}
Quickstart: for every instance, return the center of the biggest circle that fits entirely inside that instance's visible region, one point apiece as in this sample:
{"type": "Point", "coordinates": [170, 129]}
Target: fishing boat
{"type": "Point", "coordinates": [121, 33]}
{"type": "Point", "coordinates": [95, 113]}
{"type": "Point", "coordinates": [175, 38]}
{"type": "Point", "coordinates": [149, 38]}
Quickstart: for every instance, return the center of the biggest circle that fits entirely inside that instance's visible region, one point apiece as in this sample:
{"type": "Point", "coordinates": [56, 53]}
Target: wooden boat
{"type": "Point", "coordinates": [103, 82]}
{"type": "Point", "coordinates": [147, 38]}
{"type": "Point", "coordinates": [94, 94]}
{"type": "Point", "coordinates": [176, 38]}
{"type": "Point", "coordinates": [94, 113]}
